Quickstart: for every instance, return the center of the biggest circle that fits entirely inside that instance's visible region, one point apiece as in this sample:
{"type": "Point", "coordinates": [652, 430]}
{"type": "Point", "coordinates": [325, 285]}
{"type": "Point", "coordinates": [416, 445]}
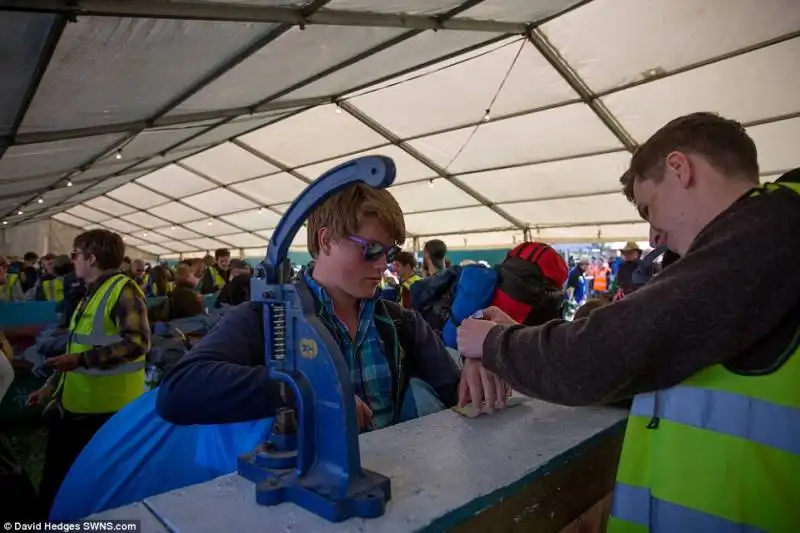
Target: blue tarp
{"type": "Point", "coordinates": [21, 314]}
{"type": "Point", "coordinates": [137, 454]}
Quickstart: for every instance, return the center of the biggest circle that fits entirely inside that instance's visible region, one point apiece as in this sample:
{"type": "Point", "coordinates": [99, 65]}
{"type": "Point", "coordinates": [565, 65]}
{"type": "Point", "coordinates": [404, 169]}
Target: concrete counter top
{"type": "Point", "coordinates": [447, 472]}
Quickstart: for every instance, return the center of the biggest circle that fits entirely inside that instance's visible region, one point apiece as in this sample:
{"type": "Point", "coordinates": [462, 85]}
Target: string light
{"type": "Point", "coordinates": [430, 183]}
{"type": "Point", "coordinates": [69, 184]}
{"type": "Point", "coordinates": [5, 222]}
{"type": "Point", "coordinates": [19, 212]}
{"type": "Point", "coordinates": [172, 228]}
{"type": "Point", "coordinates": [40, 200]}
{"type": "Point", "coordinates": [118, 155]}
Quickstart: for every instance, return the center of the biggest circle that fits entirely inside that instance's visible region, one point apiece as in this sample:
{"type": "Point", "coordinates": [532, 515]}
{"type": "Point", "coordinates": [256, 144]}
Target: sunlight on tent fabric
{"type": "Point", "coordinates": [494, 136]}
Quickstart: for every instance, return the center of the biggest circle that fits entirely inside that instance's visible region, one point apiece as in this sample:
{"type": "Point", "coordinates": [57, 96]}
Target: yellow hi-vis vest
{"type": "Point", "coordinates": [53, 289]}
{"type": "Point", "coordinates": [219, 281]}
{"type": "Point", "coordinates": [412, 279]}
{"type": "Point", "coordinates": [92, 390]}
{"type": "Point", "coordinates": [11, 280]}
{"type": "Point", "coordinates": [718, 453]}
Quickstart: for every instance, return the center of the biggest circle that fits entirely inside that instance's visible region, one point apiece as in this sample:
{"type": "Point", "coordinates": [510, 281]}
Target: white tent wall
{"type": "Point", "coordinates": [514, 119]}
{"type": "Point", "coordinates": [49, 236]}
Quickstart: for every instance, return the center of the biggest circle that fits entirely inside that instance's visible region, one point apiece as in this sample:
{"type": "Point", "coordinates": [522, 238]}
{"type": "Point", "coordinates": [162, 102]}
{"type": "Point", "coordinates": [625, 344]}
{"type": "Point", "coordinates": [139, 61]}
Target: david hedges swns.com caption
{"type": "Point", "coordinates": [133, 526]}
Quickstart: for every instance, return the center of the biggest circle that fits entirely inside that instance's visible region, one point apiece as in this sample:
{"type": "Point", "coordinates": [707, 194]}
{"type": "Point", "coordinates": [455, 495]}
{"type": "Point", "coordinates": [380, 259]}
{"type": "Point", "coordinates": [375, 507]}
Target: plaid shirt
{"type": "Point", "coordinates": [130, 314]}
{"type": "Point", "coordinates": [369, 369]}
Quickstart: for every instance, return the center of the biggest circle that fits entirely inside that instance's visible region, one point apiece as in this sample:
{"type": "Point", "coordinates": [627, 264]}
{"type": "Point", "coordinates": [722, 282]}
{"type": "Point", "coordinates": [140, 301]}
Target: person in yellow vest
{"type": "Point", "coordinates": [104, 367]}
{"type": "Point", "coordinates": [10, 286]}
{"type": "Point", "coordinates": [713, 440]}
{"type": "Point", "coordinates": [216, 275]}
{"type": "Point", "coordinates": [49, 286]}
{"type": "Point", "coordinates": [404, 265]}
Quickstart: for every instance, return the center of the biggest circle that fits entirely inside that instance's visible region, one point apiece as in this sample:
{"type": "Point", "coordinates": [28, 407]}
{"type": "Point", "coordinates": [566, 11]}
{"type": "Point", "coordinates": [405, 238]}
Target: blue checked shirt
{"type": "Point", "coordinates": [369, 369]}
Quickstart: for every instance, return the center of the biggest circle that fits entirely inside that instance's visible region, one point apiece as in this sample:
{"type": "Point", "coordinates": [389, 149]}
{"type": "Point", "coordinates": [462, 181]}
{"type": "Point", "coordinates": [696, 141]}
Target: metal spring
{"type": "Point", "coordinates": [279, 331]}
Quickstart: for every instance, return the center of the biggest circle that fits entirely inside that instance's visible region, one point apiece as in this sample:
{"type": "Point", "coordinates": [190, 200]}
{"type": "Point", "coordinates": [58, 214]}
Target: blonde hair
{"type": "Point", "coordinates": [343, 213]}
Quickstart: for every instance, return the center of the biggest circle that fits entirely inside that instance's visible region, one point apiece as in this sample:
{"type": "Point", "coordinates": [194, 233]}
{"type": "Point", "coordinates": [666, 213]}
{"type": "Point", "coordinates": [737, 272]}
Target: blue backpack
{"type": "Point", "coordinates": [447, 298]}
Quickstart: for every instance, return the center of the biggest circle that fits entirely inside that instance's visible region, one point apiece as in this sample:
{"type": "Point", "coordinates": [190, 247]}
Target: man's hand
{"type": "Point", "coordinates": [64, 363]}
{"type": "Point", "coordinates": [363, 414]}
{"type": "Point", "coordinates": [484, 389]}
{"type": "Point", "coordinates": [471, 335]}
{"type": "Point", "coordinates": [39, 396]}
{"type": "Point", "coordinates": [498, 316]}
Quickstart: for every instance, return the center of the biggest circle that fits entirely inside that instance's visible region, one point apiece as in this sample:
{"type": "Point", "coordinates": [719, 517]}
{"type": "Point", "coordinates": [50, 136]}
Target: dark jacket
{"type": "Point", "coordinates": [716, 305]}
{"type": "Point", "coordinates": [223, 378]}
{"type": "Point", "coordinates": [235, 291]}
{"type": "Point", "coordinates": [74, 289]}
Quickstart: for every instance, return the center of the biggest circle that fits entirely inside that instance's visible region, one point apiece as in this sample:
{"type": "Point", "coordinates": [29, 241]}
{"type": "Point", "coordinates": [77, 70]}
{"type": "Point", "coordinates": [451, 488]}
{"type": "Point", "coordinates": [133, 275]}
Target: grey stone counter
{"type": "Point", "coordinates": [444, 469]}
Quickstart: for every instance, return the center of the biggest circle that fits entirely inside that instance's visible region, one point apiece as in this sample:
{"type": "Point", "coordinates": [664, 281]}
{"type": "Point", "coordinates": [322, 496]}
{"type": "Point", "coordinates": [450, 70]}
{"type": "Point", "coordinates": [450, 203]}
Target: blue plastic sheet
{"type": "Point", "coordinates": [137, 454]}
{"type": "Point", "coordinates": [22, 314]}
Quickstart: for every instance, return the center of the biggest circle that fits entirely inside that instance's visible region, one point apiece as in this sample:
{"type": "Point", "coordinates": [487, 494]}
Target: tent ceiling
{"type": "Point", "coordinates": [192, 125]}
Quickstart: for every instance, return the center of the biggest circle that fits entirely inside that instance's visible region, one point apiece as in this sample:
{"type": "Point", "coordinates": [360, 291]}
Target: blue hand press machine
{"type": "Point", "coordinates": [312, 456]}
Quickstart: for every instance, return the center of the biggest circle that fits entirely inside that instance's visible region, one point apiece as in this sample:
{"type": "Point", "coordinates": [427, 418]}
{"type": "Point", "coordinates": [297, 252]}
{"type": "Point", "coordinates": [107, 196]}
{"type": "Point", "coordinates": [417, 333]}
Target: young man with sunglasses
{"type": "Point", "coordinates": [352, 237]}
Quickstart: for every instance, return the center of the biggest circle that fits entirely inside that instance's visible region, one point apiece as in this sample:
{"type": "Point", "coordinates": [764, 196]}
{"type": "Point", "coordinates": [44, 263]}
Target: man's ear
{"type": "Point", "coordinates": [324, 240]}
{"type": "Point", "coordinates": [680, 166]}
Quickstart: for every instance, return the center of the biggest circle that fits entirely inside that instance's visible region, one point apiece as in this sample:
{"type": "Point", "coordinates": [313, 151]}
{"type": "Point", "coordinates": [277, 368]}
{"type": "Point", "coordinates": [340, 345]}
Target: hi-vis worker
{"type": "Point", "coordinates": [600, 281]}
{"type": "Point", "coordinates": [216, 276]}
{"type": "Point", "coordinates": [49, 286]}
{"type": "Point", "coordinates": [10, 286]}
{"type": "Point", "coordinates": [404, 265]}
{"type": "Point", "coordinates": [104, 366]}
{"type": "Point", "coordinates": [713, 440]}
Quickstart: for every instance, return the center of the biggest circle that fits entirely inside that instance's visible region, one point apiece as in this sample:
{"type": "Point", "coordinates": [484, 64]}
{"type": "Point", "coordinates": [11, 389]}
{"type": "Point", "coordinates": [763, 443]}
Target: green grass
{"type": "Point", "coordinates": [28, 442]}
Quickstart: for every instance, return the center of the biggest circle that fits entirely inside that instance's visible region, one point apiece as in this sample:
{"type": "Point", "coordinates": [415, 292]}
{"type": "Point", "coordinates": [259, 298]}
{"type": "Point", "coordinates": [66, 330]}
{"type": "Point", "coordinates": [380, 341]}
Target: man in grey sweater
{"type": "Point", "coordinates": [711, 349]}
{"type": "Point", "coordinates": [727, 293]}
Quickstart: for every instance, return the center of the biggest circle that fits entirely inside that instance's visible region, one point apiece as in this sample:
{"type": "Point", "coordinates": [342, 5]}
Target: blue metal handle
{"type": "Point", "coordinates": [376, 171]}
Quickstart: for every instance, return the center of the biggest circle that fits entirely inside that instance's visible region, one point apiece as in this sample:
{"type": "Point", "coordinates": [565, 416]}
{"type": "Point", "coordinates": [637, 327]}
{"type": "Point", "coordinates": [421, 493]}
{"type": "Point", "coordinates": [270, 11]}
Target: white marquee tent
{"type": "Point", "coordinates": [188, 125]}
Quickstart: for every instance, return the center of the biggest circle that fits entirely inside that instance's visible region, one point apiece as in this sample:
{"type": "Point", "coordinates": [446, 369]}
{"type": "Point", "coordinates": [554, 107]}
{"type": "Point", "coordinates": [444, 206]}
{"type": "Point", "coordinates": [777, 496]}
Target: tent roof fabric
{"type": "Point", "coordinates": [192, 125]}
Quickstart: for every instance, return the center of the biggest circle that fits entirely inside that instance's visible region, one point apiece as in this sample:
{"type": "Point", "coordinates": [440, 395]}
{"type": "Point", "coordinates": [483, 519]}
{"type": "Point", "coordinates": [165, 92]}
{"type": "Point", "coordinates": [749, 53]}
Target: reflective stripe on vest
{"type": "Point", "coordinates": [53, 289]}
{"type": "Point", "coordinates": [724, 412]}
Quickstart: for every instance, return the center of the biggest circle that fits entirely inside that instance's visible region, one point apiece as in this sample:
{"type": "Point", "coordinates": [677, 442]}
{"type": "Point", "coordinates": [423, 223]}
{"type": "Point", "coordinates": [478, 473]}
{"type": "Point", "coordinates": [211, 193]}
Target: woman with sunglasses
{"type": "Point", "coordinates": [352, 237]}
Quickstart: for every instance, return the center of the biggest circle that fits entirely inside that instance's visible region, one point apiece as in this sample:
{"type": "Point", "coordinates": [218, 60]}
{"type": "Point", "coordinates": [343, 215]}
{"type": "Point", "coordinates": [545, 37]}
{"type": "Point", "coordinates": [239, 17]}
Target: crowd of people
{"type": "Point", "coordinates": [448, 335]}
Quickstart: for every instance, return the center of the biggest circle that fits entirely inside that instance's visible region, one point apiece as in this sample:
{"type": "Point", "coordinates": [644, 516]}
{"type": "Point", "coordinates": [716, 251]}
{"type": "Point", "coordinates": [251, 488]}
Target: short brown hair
{"type": "Point", "coordinates": [406, 258]}
{"type": "Point", "coordinates": [344, 212]}
{"type": "Point", "coordinates": [106, 246]}
{"type": "Point", "coordinates": [723, 142]}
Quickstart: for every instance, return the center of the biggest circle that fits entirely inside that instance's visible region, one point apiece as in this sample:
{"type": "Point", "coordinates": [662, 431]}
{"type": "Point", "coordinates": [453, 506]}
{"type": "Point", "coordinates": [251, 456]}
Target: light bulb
{"type": "Point", "coordinates": [209, 222]}
{"type": "Point", "coordinates": [430, 183]}
{"type": "Point", "coordinates": [338, 109]}
{"type": "Point", "coordinates": [487, 116]}
{"type": "Point", "coordinates": [118, 155]}
{"type": "Point", "coordinates": [40, 200]}
{"type": "Point", "coordinates": [172, 228]}
{"type": "Point", "coordinates": [5, 222]}
{"type": "Point", "coordinates": [19, 212]}
{"type": "Point", "coordinates": [69, 184]}
{"type": "Point", "coordinates": [144, 234]}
